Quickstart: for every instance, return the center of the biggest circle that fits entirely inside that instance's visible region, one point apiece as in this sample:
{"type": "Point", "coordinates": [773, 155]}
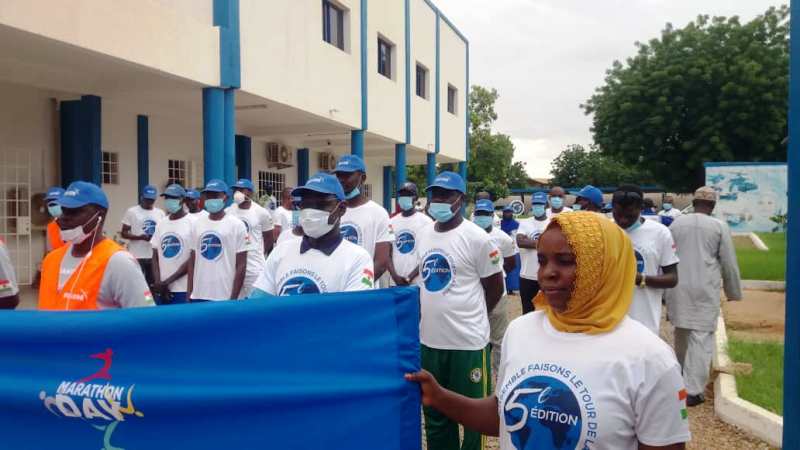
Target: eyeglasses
{"type": "Point", "coordinates": [626, 197]}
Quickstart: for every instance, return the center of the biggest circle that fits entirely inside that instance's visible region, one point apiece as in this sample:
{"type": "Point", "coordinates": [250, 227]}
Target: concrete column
{"type": "Point", "coordinates": [143, 151]}
{"type": "Point", "coordinates": [387, 188]}
{"type": "Point", "coordinates": [213, 133]}
{"type": "Point", "coordinates": [357, 143]}
{"type": "Point", "coordinates": [229, 136]}
{"type": "Point", "coordinates": [399, 165]}
{"type": "Point", "coordinates": [431, 170]}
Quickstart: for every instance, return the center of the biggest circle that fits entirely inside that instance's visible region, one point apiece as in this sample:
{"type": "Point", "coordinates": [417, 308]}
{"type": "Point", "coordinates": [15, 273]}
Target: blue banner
{"type": "Point", "coordinates": [302, 372]}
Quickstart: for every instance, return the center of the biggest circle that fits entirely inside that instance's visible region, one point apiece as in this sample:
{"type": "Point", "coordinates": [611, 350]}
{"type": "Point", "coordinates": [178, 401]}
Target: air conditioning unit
{"type": "Point", "coordinates": [327, 161]}
{"type": "Point", "coordinates": [278, 155]}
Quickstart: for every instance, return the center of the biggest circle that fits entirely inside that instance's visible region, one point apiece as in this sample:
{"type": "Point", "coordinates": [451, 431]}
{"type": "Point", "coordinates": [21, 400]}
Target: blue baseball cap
{"type": "Point", "coordinates": [175, 191]}
{"type": "Point", "coordinates": [150, 192]}
{"type": "Point", "coordinates": [592, 194]}
{"type": "Point", "coordinates": [450, 181]}
{"type": "Point", "coordinates": [216, 185]}
{"type": "Point", "coordinates": [539, 198]}
{"type": "Point", "coordinates": [323, 183]}
{"type": "Point", "coordinates": [508, 208]}
{"type": "Point", "coordinates": [350, 163]}
{"type": "Point", "coordinates": [192, 194]}
{"type": "Point", "coordinates": [244, 183]}
{"type": "Point", "coordinates": [484, 205]}
{"type": "Point", "coordinates": [54, 193]}
{"type": "Point", "coordinates": [82, 193]}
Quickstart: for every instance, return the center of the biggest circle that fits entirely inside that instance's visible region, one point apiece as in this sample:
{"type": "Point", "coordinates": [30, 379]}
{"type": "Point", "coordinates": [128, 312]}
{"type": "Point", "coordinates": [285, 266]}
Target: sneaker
{"type": "Point", "coordinates": [694, 400]}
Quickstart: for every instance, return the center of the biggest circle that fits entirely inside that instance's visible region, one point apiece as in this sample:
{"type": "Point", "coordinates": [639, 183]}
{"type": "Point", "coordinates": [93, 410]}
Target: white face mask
{"type": "Point", "coordinates": [77, 235]}
{"type": "Point", "coordinates": [239, 197]}
{"type": "Point", "coordinates": [315, 222]}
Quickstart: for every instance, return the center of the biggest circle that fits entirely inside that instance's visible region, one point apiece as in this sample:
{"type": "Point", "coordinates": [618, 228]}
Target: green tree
{"type": "Point", "coordinates": [576, 167]}
{"type": "Point", "coordinates": [517, 175]}
{"type": "Point", "coordinates": [491, 153]}
{"type": "Point", "coordinates": [715, 90]}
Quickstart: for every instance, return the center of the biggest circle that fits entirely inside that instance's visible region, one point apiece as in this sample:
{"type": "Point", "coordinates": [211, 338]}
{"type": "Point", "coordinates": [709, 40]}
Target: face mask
{"type": "Point", "coordinates": [315, 222]}
{"type": "Point", "coordinates": [576, 207]}
{"type": "Point", "coordinates": [667, 206]}
{"type": "Point", "coordinates": [405, 203]}
{"type": "Point", "coordinates": [172, 205]}
{"type": "Point", "coordinates": [77, 235]}
{"type": "Point", "coordinates": [55, 211]}
{"type": "Point", "coordinates": [636, 224]}
{"type": "Point", "coordinates": [556, 202]}
{"type": "Point", "coordinates": [441, 212]}
{"type": "Point", "coordinates": [538, 210]}
{"type": "Point", "coordinates": [214, 205]}
{"type": "Point", "coordinates": [295, 217]}
{"type": "Point", "coordinates": [483, 221]}
{"type": "Point", "coordinates": [353, 194]}
{"type": "Point", "coordinates": [239, 197]}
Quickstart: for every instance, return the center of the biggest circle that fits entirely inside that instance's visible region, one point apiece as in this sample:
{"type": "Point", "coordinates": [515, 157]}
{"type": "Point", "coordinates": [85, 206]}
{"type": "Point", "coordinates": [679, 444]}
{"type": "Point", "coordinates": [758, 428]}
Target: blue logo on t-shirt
{"type": "Point", "coordinates": [405, 242]}
{"type": "Point", "coordinates": [543, 413]}
{"type": "Point", "coordinates": [210, 246]}
{"type": "Point", "coordinates": [299, 285]}
{"type": "Point", "coordinates": [149, 227]}
{"type": "Point", "coordinates": [349, 232]}
{"type": "Point", "coordinates": [639, 261]}
{"type": "Point", "coordinates": [436, 272]}
{"type": "Point", "coordinates": [170, 246]}
{"type": "Point", "coordinates": [246, 225]}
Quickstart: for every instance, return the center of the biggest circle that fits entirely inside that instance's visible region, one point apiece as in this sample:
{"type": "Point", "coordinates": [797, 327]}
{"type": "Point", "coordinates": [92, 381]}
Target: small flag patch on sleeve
{"type": "Point", "coordinates": [495, 256]}
{"type": "Point", "coordinates": [5, 286]}
{"type": "Point", "coordinates": [682, 397]}
{"type": "Point", "coordinates": [366, 278]}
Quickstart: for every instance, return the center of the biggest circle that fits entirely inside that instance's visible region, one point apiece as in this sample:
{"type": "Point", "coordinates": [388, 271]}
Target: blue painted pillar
{"type": "Point", "coordinates": [302, 166]}
{"type": "Point", "coordinates": [244, 158]}
{"type": "Point", "coordinates": [143, 151]}
{"type": "Point", "coordinates": [431, 170]}
{"type": "Point", "coordinates": [357, 143]}
{"type": "Point", "coordinates": [213, 133]}
{"type": "Point", "coordinates": [387, 188]}
{"type": "Point", "coordinates": [229, 136]}
{"type": "Point", "coordinates": [399, 165]}
{"type": "Point", "coordinates": [81, 127]}
{"type": "Point", "coordinates": [791, 358]}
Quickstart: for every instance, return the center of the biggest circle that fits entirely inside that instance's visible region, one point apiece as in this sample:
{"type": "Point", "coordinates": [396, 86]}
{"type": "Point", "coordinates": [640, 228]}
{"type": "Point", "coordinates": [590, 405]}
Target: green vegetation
{"type": "Point", "coordinates": [764, 386]}
{"type": "Point", "coordinates": [757, 264]}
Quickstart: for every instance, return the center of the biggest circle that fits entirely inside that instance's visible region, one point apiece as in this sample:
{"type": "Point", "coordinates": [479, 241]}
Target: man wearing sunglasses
{"type": "Point", "coordinates": [323, 261]}
{"type": "Point", "coordinates": [656, 259]}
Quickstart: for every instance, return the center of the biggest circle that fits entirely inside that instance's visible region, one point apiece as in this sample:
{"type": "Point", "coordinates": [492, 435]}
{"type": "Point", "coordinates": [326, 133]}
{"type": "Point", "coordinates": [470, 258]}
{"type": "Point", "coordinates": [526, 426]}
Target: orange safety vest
{"type": "Point", "coordinates": [79, 292]}
{"type": "Point", "coordinates": [54, 235]}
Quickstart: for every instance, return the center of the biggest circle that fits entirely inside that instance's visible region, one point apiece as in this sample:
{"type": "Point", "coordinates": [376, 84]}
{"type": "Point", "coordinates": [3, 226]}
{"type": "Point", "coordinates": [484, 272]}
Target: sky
{"type": "Point", "coordinates": [546, 57]}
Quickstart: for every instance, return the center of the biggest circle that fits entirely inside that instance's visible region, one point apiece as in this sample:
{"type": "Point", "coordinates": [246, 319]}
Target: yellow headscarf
{"type": "Point", "coordinates": [606, 270]}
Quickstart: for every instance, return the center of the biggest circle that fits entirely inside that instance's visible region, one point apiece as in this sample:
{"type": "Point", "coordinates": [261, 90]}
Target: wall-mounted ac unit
{"type": "Point", "coordinates": [327, 161]}
{"type": "Point", "coordinates": [278, 155]}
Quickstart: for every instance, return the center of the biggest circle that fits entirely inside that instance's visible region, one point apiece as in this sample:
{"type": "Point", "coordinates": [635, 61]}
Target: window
{"type": "Point", "coordinates": [368, 191]}
{"type": "Point", "coordinates": [270, 179]}
{"type": "Point", "coordinates": [332, 24]}
{"type": "Point", "coordinates": [110, 168]}
{"type": "Point", "coordinates": [422, 81]}
{"type": "Point", "coordinates": [176, 172]}
{"type": "Point", "coordinates": [452, 99]}
{"type": "Point", "coordinates": [385, 58]}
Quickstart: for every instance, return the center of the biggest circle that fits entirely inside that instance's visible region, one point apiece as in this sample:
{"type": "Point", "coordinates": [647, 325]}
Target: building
{"type": "Point", "coordinates": [130, 92]}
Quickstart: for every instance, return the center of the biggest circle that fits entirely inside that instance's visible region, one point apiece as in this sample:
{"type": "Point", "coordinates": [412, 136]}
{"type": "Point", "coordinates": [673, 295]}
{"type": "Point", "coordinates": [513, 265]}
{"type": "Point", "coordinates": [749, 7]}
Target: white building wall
{"type": "Point", "coordinates": [284, 58]}
{"type": "Point", "coordinates": [423, 50]}
{"type": "Point", "coordinates": [386, 97]}
{"type": "Point", "coordinates": [453, 63]}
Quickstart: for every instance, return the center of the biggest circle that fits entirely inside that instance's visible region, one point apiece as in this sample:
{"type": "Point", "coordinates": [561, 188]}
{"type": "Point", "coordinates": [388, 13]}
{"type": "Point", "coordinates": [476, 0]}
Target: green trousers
{"type": "Point", "coordinates": [466, 372]}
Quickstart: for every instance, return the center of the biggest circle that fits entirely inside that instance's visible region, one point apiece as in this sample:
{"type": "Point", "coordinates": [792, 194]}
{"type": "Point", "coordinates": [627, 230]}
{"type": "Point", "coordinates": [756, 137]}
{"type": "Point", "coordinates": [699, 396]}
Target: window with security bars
{"type": "Point", "coordinates": [176, 172]}
{"type": "Point", "coordinates": [110, 168]}
{"type": "Point", "coordinates": [368, 191]}
{"type": "Point", "coordinates": [270, 179]}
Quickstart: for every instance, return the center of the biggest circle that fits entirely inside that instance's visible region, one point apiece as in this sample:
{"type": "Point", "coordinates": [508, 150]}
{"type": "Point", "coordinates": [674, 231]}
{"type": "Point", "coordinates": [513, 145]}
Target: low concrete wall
{"type": "Point", "coordinates": [732, 409]}
{"type": "Point", "coordinates": [764, 285]}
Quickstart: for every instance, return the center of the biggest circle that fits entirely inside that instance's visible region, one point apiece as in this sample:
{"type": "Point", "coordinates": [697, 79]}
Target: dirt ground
{"type": "Point", "coordinates": [759, 316]}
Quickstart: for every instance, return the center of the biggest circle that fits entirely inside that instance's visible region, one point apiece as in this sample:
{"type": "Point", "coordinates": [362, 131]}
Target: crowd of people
{"type": "Point", "coordinates": [584, 364]}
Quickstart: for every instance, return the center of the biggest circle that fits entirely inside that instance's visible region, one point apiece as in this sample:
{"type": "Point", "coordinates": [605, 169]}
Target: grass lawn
{"type": "Point", "coordinates": [756, 264]}
{"type": "Point", "coordinates": [764, 386]}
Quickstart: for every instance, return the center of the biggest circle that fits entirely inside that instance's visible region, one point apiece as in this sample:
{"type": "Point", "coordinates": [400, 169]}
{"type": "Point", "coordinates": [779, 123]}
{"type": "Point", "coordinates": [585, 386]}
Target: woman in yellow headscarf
{"type": "Point", "coordinates": [578, 373]}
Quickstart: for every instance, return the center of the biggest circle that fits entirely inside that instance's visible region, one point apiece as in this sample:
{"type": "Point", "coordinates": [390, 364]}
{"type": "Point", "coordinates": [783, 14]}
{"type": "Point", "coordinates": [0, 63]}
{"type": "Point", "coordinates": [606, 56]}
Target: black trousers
{"type": "Point", "coordinates": [147, 269]}
{"type": "Point", "coordinates": [527, 291]}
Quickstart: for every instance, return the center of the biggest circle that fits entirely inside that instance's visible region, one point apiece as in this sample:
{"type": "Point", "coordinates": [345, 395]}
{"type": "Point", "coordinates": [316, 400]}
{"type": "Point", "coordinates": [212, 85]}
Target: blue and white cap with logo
{"type": "Point", "coordinates": [484, 205]}
{"type": "Point", "coordinates": [350, 163]}
{"type": "Point", "coordinates": [244, 183]}
{"type": "Point", "coordinates": [539, 198]}
{"type": "Point", "coordinates": [592, 194]}
{"type": "Point", "coordinates": [149, 192]}
{"type": "Point", "coordinates": [323, 183]}
{"type": "Point", "coordinates": [54, 193]}
{"type": "Point", "coordinates": [216, 185]}
{"type": "Point", "coordinates": [192, 194]}
{"type": "Point", "coordinates": [450, 181]}
{"type": "Point", "coordinates": [82, 193]}
{"type": "Point", "coordinates": [174, 191]}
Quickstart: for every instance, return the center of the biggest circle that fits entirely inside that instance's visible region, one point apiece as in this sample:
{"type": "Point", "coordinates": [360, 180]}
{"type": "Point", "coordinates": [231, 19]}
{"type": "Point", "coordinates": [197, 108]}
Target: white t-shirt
{"type": "Point", "coordinates": [289, 272]}
{"type": "Point", "coordinates": [606, 391]}
{"type": "Point", "coordinates": [505, 244]}
{"type": "Point", "coordinates": [654, 248]}
{"type": "Point", "coordinates": [452, 300]}
{"type": "Point", "coordinates": [287, 235]}
{"type": "Point", "coordinates": [257, 220]}
{"type": "Point", "coordinates": [531, 228]}
{"type": "Point", "coordinates": [549, 211]}
{"type": "Point", "coordinates": [671, 213]}
{"type": "Point", "coordinates": [172, 240]}
{"type": "Point", "coordinates": [283, 218]}
{"type": "Point", "coordinates": [8, 278]}
{"type": "Point", "coordinates": [366, 225]}
{"type": "Point", "coordinates": [142, 221]}
{"type": "Point", "coordinates": [406, 231]}
{"type": "Point", "coordinates": [215, 244]}
{"type": "Point", "coordinates": [200, 213]}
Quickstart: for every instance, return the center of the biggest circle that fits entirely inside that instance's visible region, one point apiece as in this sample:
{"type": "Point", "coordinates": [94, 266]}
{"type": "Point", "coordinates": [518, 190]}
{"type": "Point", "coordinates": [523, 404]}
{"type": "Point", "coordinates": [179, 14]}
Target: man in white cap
{"type": "Point", "coordinates": [258, 222]}
{"type": "Point", "coordinates": [138, 226]}
{"type": "Point", "coordinates": [708, 262]}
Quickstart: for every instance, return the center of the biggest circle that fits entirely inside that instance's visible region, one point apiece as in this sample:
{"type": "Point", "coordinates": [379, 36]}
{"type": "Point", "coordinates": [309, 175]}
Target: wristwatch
{"type": "Point", "coordinates": [642, 281]}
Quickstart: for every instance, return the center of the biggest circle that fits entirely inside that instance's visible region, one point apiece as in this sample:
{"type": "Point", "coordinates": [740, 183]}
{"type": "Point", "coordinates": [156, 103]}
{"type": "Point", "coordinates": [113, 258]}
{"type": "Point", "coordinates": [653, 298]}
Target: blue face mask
{"type": "Point", "coordinates": [556, 202]}
{"type": "Point", "coordinates": [538, 210]}
{"type": "Point", "coordinates": [214, 205]}
{"type": "Point", "coordinates": [441, 212]}
{"type": "Point", "coordinates": [353, 194]}
{"type": "Point", "coordinates": [576, 207]}
{"type": "Point", "coordinates": [295, 217]}
{"type": "Point", "coordinates": [405, 203]}
{"type": "Point", "coordinates": [54, 210]}
{"type": "Point", "coordinates": [667, 206]}
{"type": "Point", "coordinates": [483, 221]}
{"type": "Point", "coordinates": [636, 224]}
{"type": "Point", "coordinates": [172, 205]}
